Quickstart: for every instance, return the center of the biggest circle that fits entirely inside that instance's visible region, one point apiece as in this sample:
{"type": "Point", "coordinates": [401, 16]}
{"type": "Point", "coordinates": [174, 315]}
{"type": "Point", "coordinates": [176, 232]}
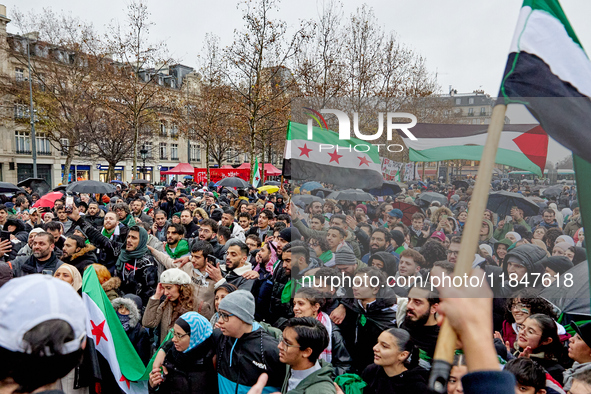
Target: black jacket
{"type": "Point", "coordinates": [108, 249]}
{"type": "Point", "coordinates": [410, 381]}
{"type": "Point", "coordinates": [278, 309]}
{"type": "Point", "coordinates": [140, 277]}
{"type": "Point", "coordinates": [530, 256]}
{"type": "Point", "coordinates": [171, 208]}
{"type": "Point", "coordinates": [83, 258]}
{"type": "Point", "coordinates": [191, 230]}
{"type": "Point", "coordinates": [97, 221]}
{"type": "Point", "coordinates": [188, 373]}
{"type": "Point", "coordinates": [22, 266]}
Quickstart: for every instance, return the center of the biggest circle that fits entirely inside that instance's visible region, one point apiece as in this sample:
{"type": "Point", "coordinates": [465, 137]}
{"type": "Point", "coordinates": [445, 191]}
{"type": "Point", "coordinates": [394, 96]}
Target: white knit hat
{"type": "Point", "coordinates": [175, 276]}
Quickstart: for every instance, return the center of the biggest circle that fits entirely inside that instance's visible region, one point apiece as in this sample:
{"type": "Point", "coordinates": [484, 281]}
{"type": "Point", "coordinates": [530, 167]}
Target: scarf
{"type": "Point", "coordinates": [74, 273]}
{"type": "Point", "coordinates": [182, 248]}
{"type": "Point", "coordinates": [576, 368]}
{"type": "Point", "coordinates": [124, 319]}
{"type": "Point", "coordinates": [326, 256]}
{"type": "Point", "coordinates": [138, 253]}
{"type": "Point", "coordinates": [287, 290]}
{"type": "Point", "coordinates": [129, 220]}
{"type": "Point", "coordinates": [326, 354]}
{"type": "Point", "coordinates": [107, 233]}
{"type": "Point", "coordinates": [200, 329]}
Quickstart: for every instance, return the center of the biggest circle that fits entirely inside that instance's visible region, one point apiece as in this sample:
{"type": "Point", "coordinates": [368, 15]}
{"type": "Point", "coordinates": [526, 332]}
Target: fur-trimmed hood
{"type": "Point", "coordinates": [88, 248]}
{"type": "Point", "coordinates": [134, 313]}
{"type": "Point", "coordinates": [111, 284]}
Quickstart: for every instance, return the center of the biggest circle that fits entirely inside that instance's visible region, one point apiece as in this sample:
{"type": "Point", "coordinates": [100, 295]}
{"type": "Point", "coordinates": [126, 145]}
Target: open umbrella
{"type": "Point", "coordinates": [501, 203]}
{"type": "Point", "coordinates": [38, 185]}
{"type": "Point", "coordinates": [268, 188]}
{"type": "Point", "coordinates": [305, 198]}
{"type": "Point", "coordinates": [6, 187]}
{"type": "Point", "coordinates": [429, 197]}
{"type": "Point", "coordinates": [324, 191]}
{"type": "Point", "coordinates": [573, 300]}
{"type": "Point", "coordinates": [459, 184]}
{"type": "Point", "coordinates": [233, 182]}
{"type": "Point", "coordinates": [48, 200]}
{"type": "Point", "coordinates": [91, 187]}
{"type": "Point", "coordinates": [310, 186]}
{"type": "Point", "coordinates": [407, 211]}
{"type": "Point", "coordinates": [140, 182]}
{"type": "Point", "coordinates": [272, 183]}
{"type": "Point", "coordinates": [552, 191]}
{"type": "Point", "coordinates": [351, 195]}
{"type": "Point", "coordinates": [60, 188]}
{"type": "Point", "coordinates": [388, 188]}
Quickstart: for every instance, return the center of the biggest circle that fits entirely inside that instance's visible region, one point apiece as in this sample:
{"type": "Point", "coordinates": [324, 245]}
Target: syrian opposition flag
{"type": "Point", "coordinates": [549, 72]}
{"type": "Point", "coordinates": [111, 341]}
{"type": "Point", "coordinates": [256, 179]}
{"type": "Point", "coordinates": [325, 158]}
{"type": "Point", "coordinates": [521, 146]}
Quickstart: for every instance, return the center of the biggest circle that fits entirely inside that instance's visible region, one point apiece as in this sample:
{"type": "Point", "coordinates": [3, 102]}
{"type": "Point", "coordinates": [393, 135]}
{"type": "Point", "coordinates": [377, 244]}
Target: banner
{"type": "Point", "coordinates": [409, 172]}
{"type": "Point", "coordinates": [391, 169]}
{"type": "Point", "coordinates": [217, 174]}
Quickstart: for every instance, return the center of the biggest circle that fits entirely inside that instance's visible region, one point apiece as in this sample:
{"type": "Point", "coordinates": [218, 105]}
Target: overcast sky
{"type": "Point", "coordinates": [464, 41]}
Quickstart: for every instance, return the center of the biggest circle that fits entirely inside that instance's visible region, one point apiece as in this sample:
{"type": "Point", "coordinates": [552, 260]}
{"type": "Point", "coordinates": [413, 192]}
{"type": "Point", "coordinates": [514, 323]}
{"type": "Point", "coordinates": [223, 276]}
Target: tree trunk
{"type": "Point", "coordinates": [252, 148]}
{"type": "Point", "coordinates": [69, 158]}
{"type": "Point", "coordinates": [136, 137]}
{"type": "Point", "coordinates": [207, 163]}
{"type": "Point", "coordinates": [110, 172]}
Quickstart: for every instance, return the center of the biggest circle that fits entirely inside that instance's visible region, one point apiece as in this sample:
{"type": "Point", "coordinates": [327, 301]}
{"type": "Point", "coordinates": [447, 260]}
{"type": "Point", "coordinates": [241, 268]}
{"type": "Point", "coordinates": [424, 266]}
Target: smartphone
{"type": "Point", "coordinates": [69, 204]}
{"type": "Point", "coordinates": [211, 259]}
{"type": "Point", "coordinates": [5, 236]}
{"type": "Point", "coordinates": [444, 217]}
{"type": "Point", "coordinates": [426, 227]}
{"type": "Point", "coordinates": [47, 272]}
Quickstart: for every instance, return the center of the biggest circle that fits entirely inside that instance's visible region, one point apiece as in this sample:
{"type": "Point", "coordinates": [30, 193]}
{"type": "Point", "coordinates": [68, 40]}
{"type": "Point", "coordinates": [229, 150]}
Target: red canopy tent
{"type": "Point", "coordinates": [226, 166]}
{"type": "Point", "coordinates": [180, 169]}
{"type": "Point", "coordinates": [270, 169]}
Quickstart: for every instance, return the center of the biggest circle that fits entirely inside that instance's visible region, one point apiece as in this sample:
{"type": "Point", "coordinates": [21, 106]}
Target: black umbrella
{"type": "Point", "coordinates": [91, 187]}
{"type": "Point", "coordinates": [571, 297]}
{"type": "Point", "coordinates": [324, 191]}
{"type": "Point", "coordinates": [501, 203]}
{"type": "Point", "coordinates": [429, 197]}
{"type": "Point", "coordinates": [459, 184]}
{"type": "Point", "coordinates": [140, 182]}
{"type": "Point", "coordinates": [60, 188]}
{"type": "Point", "coordinates": [305, 198]}
{"type": "Point", "coordinates": [233, 182]}
{"type": "Point", "coordinates": [351, 195]}
{"type": "Point", "coordinates": [38, 185]}
{"type": "Point", "coordinates": [272, 183]}
{"type": "Point", "coordinates": [6, 187]}
{"type": "Point", "coordinates": [387, 189]}
{"type": "Point", "coordinates": [552, 191]}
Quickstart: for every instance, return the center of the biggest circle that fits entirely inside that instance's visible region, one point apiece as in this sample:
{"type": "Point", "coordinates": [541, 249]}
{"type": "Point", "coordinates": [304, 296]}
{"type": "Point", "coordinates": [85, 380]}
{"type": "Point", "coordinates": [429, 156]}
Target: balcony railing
{"type": "Point", "coordinates": [163, 157]}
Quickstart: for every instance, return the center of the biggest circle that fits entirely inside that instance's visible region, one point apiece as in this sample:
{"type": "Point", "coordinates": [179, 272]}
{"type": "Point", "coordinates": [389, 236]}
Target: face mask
{"type": "Point", "coordinates": [124, 319]}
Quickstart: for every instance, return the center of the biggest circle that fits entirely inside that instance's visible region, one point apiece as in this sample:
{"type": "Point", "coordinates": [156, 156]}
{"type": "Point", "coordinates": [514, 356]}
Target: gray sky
{"type": "Point", "coordinates": [465, 42]}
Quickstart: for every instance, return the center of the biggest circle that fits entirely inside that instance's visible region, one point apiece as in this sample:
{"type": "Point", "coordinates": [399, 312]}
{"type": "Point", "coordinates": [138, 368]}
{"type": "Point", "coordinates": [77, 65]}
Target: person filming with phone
{"type": "Point", "coordinates": [232, 271]}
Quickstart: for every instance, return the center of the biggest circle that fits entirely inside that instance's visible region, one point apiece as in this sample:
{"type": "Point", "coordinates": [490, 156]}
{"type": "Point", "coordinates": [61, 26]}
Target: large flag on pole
{"type": "Point", "coordinates": [104, 327]}
{"type": "Point", "coordinates": [549, 71]}
{"type": "Point", "coordinates": [325, 158]}
{"type": "Point", "coordinates": [256, 178]}
{"type": "Point", "coordinates": [521, 146]}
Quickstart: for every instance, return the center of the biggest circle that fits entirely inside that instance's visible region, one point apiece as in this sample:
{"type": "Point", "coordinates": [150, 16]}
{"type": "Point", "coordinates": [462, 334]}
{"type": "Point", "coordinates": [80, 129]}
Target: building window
{"type": "Point", "coordinates": [22, 142]}
{"type": "Point", "coordinates": [482, 111]}
{"type": "Point", "coordinates": [162, 128]}
{"type": "Point", "coordinates": [174, 131]}
{"type": "Point", "coordinates": [148, 146]}
{"type": "Point", "coordinates": [458, 101]}
{"type": "Point", "coordinates": [65, 145]}
{"type": "Point", "coordinates": [163, 155]}
{"type": "Point", "coordinates": [470, 111]}
{"type": "Point", "coordinates": [174, 151]}
{"type": "Point", "coordinates": [43, 144]}
{"type": "Point", "coordinates": [20, 111]}
{"type": "Point", "coordinates": [195, 152]}
{"type": "Point", "coordinates": [19, 74]}
{"type": "Point", "coordinates": [471, 100]}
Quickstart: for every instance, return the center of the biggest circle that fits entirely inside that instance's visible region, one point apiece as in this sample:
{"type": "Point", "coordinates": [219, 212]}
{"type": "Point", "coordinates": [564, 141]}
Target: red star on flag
{"type": "Point", "coordinates": [334, 156]}
{"type": "Point", "coordinates": [124, 379]}
{"type": "Point", "coordinates": [363, 160]}
{"type": "Point", "coordinates": [305, 151]}
{"type": "Point", "coordinates": [98, 331]}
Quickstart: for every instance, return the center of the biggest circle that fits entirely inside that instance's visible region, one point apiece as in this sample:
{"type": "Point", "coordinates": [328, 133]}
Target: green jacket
{"type": "Point", "coordinates": [500, 232]}
{"type": "Point", "coordinates": [319, 382]}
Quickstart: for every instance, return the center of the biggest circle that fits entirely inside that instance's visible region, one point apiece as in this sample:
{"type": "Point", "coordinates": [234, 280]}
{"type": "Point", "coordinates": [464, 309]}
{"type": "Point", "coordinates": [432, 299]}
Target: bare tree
{"type": "Point", "coordinates": [134, 89]}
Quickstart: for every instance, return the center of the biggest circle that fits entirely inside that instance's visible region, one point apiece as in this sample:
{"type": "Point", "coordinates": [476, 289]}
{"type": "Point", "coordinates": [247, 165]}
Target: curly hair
{"type": "Point", "coordinates": [102, 272]}
{"type": "Point", "coordinates": [550, 237]}
{"type": "Point", "coordinates": [433, 251]}
{"type": "Point", "coordinates": [183, 304]}
{"type": "Point", "coordinates": [536, 303]}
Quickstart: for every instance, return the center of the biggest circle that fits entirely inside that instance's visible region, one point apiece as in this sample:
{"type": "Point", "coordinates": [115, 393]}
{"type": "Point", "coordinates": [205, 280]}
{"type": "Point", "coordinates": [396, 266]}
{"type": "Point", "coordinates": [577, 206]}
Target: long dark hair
{"type": "Point", "coordinates": [531, 298]}
{"type": "Point", "coordinates": [549, 331]}
{"type": "Point", "coordinates": [406, 344]}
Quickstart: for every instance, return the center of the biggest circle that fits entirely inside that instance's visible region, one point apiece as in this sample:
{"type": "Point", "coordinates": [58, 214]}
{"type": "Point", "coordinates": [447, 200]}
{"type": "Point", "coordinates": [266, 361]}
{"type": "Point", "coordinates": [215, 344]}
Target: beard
{"type": "Point", "coordinates": [419, 322]}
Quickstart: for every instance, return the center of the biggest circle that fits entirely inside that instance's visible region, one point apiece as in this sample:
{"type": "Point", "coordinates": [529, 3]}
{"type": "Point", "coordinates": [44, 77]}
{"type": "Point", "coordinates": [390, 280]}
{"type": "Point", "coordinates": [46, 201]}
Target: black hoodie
{"type": "Point", "coordinates": [390, 262]}
{"type": "Point", "coordinates": [410, 381]}
{"type": "Point", "coordinates": [529, 256]}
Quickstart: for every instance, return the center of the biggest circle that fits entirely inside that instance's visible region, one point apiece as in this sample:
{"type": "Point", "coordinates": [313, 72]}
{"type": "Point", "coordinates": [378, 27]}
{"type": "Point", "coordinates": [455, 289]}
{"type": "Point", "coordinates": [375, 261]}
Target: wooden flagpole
{"type": "Point", "coordinates": [446, 342]}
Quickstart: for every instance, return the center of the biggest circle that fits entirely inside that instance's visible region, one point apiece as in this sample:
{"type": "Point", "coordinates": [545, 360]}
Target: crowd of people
{"type": "Point", "coordinates": [291, 292]}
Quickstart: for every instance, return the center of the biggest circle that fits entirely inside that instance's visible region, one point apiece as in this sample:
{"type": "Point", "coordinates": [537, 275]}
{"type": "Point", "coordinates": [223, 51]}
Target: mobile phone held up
{"type": "Point", "coordinates": [69, 204]}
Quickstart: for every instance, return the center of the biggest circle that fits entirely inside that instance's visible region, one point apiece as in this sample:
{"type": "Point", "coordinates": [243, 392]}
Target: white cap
{"type": "Point", "coordinates": [175, 276]}
{"type": "Point", "coordinates": [33, 299]}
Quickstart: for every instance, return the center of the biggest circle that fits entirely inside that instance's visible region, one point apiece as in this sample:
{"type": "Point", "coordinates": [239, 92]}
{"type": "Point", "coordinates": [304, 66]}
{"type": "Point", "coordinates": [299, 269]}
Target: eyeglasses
{"type": "Point", "coordinates": [288, 345]}
{"type": "Point", "coordinates": [224, 316]}
{"type": "Point", "coordinates": [449, 251]}
{"type": "Point", "coordinates": [179, 336]}
{"type": "Point", "coordinates": [519, 307]}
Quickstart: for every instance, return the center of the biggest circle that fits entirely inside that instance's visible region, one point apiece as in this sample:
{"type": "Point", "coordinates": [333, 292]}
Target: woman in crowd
{"type": "Point", "coordinates": [70, 274]}
{"type": "Point", "coordinates": [539, 232]}
{"type": "Point", "coordinates": [395, 365]}
{"type": "Point", "coordinates": [109, 284]}
{"type": "Point", "coordinates": [220, 293]}
{"type": "Point", "coordinates": [184, 364]}
{"type": "Point", "coordinates": [458, 370]}
{"type": "Point", "coordinates": [308, 302]}
{"type": "Point", "coordinates": [176, 285]}
{"type": "Point", "coordinates": [129, 314]}
{"type": "Point", "coordinates": [538, 340]}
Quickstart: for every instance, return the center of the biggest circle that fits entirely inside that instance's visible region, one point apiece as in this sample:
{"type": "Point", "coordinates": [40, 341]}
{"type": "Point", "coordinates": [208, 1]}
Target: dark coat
{"type": "Point", "coordinates": [82, 259]}
{"type": "Point", "coordinates": [410, 381]}
{"type": "Point", "coordinates": [191, 230]}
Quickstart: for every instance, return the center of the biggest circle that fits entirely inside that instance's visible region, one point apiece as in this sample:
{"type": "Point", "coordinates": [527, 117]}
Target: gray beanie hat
{"type": "Point", "coordinates": [239, 303]}
{"type": "Point", "coordinates": [345, 256]}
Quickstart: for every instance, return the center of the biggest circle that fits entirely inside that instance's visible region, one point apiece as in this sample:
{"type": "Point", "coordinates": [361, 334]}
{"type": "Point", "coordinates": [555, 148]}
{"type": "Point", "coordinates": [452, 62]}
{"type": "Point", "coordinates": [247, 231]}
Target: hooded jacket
{"type": "Point", "coordinates": [318, 382]}
{"type": "Point", "coordinates": [83, 258]}
{"type": "Point", "coordinates": [362, 327]}
{"type": "Point", "coordinates": [109, 249]}
{"type": "Point", "coordinates": [138, 335]}
{"type": "Point", "coordinates": [409, 381]}
{"type": "Point", "coordinates": [573, 225]}
{"type": "Point", "coordinates": [111, 286]}
{"type": "Point", "coordinates": [489, 239]}
{"type": "Point", "coordinates": [191, 230]}
{"type": "Point", "coordinates": [529, 256]}
{"type": "Point", "coordinates": [96, 220]}
{"type": "Point", "coordinates": [240, 361]}
{"type": "Point", "coordinates": [20, 232]}
{"type": "Point", "coordinates": [390, 262]}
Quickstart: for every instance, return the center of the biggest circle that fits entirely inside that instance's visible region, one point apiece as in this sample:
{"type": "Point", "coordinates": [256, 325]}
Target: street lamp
{"type": "Point", "coordinates": [144, 155]}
